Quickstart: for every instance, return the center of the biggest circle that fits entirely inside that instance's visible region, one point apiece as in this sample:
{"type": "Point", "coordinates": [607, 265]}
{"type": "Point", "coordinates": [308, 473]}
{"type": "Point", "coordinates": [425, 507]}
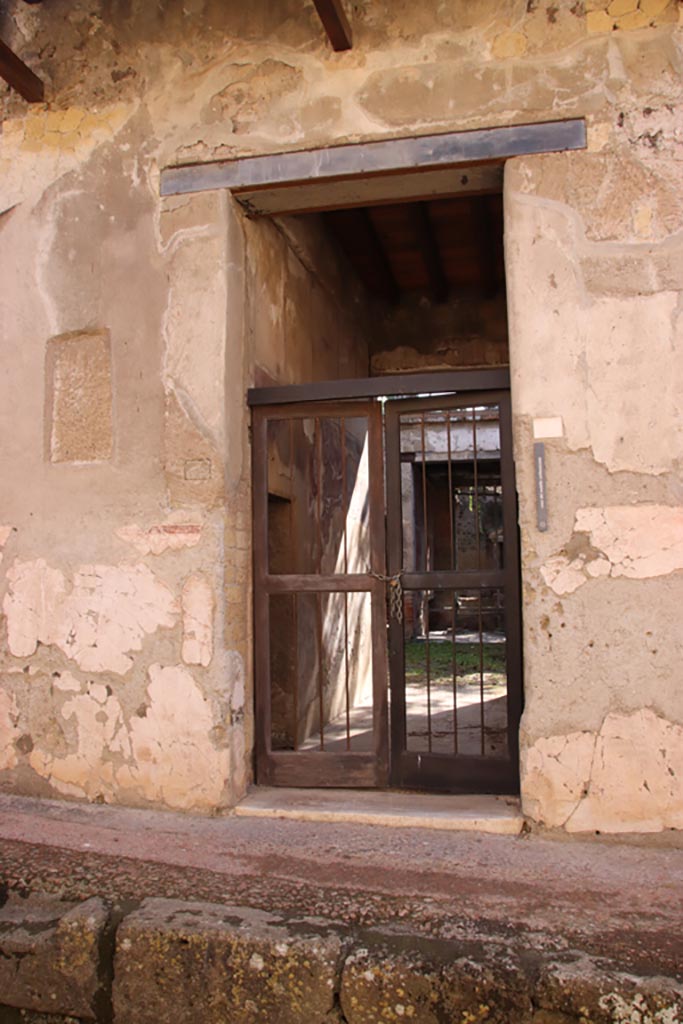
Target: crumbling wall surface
{"type": "Point", "coordinates": [595, 276]}
{"type": "Point", "coordinates": [117, 683]}
{"type": "Point", "coordinates": [132, 325]}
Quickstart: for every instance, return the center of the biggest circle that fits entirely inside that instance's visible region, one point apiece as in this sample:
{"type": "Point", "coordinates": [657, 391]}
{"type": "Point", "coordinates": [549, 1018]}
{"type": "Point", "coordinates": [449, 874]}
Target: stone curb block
{"type": "Point", "coordinates": [50, 955]}
{"type": "Point", "coordinates": [187, 962]}
{"type": "Point", "coordinates": [179, 962]}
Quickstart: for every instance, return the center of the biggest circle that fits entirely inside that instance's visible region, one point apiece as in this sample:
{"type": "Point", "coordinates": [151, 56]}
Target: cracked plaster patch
{"type": "Point", "coordinates": [107, 612]}
{"type": "Point", "coordinates": [627, 777]}
{"type": "Point", "coordinates": [164, 537]}
{"type": "Point", "coordinates": [638, 542]}
{"type": "Point", "coordinates": [556, 772]}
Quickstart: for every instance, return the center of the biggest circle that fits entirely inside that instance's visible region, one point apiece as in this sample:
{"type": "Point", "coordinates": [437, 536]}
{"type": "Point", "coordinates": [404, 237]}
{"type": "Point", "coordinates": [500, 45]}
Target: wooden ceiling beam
{"type": "Point", "coordinates": [487, 248]}
{"type": "Point", "coordinates": [335, 23]}
{"type": "Point", "coordinates": [356, 233]}
{"type": "Point", "coordinates": [19, 76]}
{"type": "Point", "coordinates": [429, 250]}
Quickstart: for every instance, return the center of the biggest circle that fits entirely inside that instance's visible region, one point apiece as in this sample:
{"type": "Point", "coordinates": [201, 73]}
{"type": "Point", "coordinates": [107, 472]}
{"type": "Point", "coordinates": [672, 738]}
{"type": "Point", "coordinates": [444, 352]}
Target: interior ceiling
{"type": "Point", "coordinates": [443, 248]}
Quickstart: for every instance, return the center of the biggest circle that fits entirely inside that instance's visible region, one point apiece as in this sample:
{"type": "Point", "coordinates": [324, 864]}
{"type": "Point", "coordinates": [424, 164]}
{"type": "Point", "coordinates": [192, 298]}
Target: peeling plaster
{"type": "Point", "coordinates": [627, 777]}
{"type": "Point", "coordinates": [164, 755]}
{"type": "Point", "coordinates": [173, 759]}
{"type": "Point", "coordinates": [95, 620]}
{"type": "Point", "coordinates": [197, 606]}
{"type": "Point", "coordinates": [89, 770]}
{"type": "Point", "coordinates": [635, 541]}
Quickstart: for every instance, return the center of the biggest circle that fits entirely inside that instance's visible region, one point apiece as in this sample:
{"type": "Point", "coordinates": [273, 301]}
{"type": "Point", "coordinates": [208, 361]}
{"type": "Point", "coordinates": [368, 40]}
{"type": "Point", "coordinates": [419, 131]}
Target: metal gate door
{"type": "Point", "coordinates": [320, 654]}
{"type": "Point", "coordinates": [455, 635]}
{"type": "Point", "coordinates": [446, 582]}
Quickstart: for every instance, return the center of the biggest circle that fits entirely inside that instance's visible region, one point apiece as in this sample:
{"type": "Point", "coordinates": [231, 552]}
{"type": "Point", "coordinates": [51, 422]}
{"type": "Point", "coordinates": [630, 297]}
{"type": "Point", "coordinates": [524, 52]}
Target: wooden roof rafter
{"type": "Point", "coordinates": [335, 23]}
{"type": "Point", "coordinates": [19, 76]}
{"type": "Point", "coordinates": [429, 249]}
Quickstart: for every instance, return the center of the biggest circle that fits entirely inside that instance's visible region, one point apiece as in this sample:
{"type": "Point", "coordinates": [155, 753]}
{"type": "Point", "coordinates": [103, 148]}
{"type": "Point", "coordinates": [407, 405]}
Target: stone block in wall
{"type": "Point", "coordinates": [79, 397]}
{"type": "Point", "coordinates": [49, 955]}
{"type": "Point", "coordinates": [179, 963]}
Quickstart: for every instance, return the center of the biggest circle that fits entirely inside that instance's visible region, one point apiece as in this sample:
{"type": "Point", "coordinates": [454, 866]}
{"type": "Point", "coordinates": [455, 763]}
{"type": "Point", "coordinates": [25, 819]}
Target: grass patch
{"type": "Point", "coordinates": [441, 661]}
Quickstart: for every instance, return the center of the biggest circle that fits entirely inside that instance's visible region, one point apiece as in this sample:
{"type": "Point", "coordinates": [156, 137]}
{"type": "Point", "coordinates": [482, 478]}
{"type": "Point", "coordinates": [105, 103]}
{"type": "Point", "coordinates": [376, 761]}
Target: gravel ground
{"type": "Point", "coordinates": [618, 900]}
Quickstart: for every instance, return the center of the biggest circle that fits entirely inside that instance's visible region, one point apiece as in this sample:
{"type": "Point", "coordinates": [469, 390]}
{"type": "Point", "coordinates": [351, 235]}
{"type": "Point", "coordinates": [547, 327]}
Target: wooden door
{"type": "Point", "coordinates": [319, 601]}
{"type": "Point", "coordinates": [455, 648]}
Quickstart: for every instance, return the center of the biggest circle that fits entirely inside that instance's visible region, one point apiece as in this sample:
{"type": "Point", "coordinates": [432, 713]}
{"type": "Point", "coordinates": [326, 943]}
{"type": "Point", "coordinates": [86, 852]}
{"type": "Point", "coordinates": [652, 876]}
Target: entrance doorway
{"type": "Point", "coordinates": [387, 621]}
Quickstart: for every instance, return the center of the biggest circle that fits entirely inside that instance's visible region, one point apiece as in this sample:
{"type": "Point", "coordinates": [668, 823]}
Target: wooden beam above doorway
{"type": "Point", "coordinates": [335, 23]}
{"type": "Point", "coordinates": [19, 76]}
{"type": "Point", "coordinates": [265, 184]}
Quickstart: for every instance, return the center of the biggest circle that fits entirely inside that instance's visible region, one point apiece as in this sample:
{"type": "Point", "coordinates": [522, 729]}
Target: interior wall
{"type": "Point", "coordinates": [308, 316]}
{"type": "Point", "coordinates": [419, 334]}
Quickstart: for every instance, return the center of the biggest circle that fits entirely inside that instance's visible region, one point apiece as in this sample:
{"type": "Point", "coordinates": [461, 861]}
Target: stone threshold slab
{"type": "Point", "coordinates": [500, 815]}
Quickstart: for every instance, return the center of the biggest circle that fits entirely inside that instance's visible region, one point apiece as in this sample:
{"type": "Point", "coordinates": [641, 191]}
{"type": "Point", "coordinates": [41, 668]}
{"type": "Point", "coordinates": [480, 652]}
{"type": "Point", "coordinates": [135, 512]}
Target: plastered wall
{"type": "Point", "coordinates": [131, 326]}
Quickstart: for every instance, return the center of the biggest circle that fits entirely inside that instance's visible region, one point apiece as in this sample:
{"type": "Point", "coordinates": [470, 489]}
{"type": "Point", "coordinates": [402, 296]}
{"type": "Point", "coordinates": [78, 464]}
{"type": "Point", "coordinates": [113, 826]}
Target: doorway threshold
{"type": "Point", "coordinates": [456, 813]}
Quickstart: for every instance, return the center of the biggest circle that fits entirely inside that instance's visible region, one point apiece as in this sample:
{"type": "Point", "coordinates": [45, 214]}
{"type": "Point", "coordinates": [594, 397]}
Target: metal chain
{"type": "Point", "coordinates": [395, 593]}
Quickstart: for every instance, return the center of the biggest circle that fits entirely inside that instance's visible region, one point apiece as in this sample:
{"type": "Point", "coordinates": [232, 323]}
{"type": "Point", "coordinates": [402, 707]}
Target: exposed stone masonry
{"type": "Point", "coordinates": [172, 962]}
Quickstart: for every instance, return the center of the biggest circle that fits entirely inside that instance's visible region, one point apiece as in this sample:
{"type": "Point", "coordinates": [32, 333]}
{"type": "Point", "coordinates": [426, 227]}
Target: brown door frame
{"type": "Point", "coordinates": [344, 398]}
{"type": "Point", "coordinates": [438, 771]}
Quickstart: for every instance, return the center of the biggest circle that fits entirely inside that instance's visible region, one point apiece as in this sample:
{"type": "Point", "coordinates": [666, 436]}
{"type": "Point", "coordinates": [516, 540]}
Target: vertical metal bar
{"type": "Point", "coordinates": [451, 520]}
{"type": "Point", "coordinates": [378, 555]}
{"type": "Point", "coordinates": [428, 667]}
{"type": "Point", "coordinates": [481, 676]}
{"type": "Point", "coordinates": [317, 437]}
{"type": "Point", "coordinates": [425, 593]}
{"type": "Point", "coordinates": [318, 476]}
{"type": "Point", "coordinates": [425, 530]}
{"type": "Point", "coordinates": [455, 672]}
{"type": "Point", "coordinates": [395, 564]}
{"type": "Point", "coordinates": [295, 618]}
{"type": "Point", "coordinates": [475, 458]}
{"type": "Point", "coordinates": [321, 668]}
{"type": "Point", "coordinates": [346, 596]}
{"type": "Point", "coordinates": [293, 548]}
{"type": "Point", "coordinates": [345, 496]}
{"type": "Point", "coordinates": [346, 671]}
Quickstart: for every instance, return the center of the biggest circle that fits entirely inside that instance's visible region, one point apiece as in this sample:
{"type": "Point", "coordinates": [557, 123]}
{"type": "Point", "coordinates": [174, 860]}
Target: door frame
{"type": "Point", "coordinates": [356, 770]}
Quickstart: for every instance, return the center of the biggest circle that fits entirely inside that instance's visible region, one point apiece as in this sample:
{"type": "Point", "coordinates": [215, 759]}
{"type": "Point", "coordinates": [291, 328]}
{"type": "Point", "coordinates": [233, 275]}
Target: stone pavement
{"type": "Point", "coordinates": [140, 916]}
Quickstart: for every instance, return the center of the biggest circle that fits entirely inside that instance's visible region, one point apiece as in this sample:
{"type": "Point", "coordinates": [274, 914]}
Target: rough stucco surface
{"type": "Point", "coordinates": [126, 504]}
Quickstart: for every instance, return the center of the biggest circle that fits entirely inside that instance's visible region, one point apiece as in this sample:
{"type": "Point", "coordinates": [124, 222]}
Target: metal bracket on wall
{"type": "Point", "coordinates": [541, 491]}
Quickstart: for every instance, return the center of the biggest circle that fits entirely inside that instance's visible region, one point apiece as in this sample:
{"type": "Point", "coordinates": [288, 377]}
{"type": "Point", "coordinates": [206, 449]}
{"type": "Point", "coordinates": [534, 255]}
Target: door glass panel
{"type": "Point", "coordinates": [321, 672]}
{"type": "Point", "coordinates": [318, 502]}
{"type": "Point", "coordinates": [455, 672]}
{"type": "Point", "coordinates": [451, 491]}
